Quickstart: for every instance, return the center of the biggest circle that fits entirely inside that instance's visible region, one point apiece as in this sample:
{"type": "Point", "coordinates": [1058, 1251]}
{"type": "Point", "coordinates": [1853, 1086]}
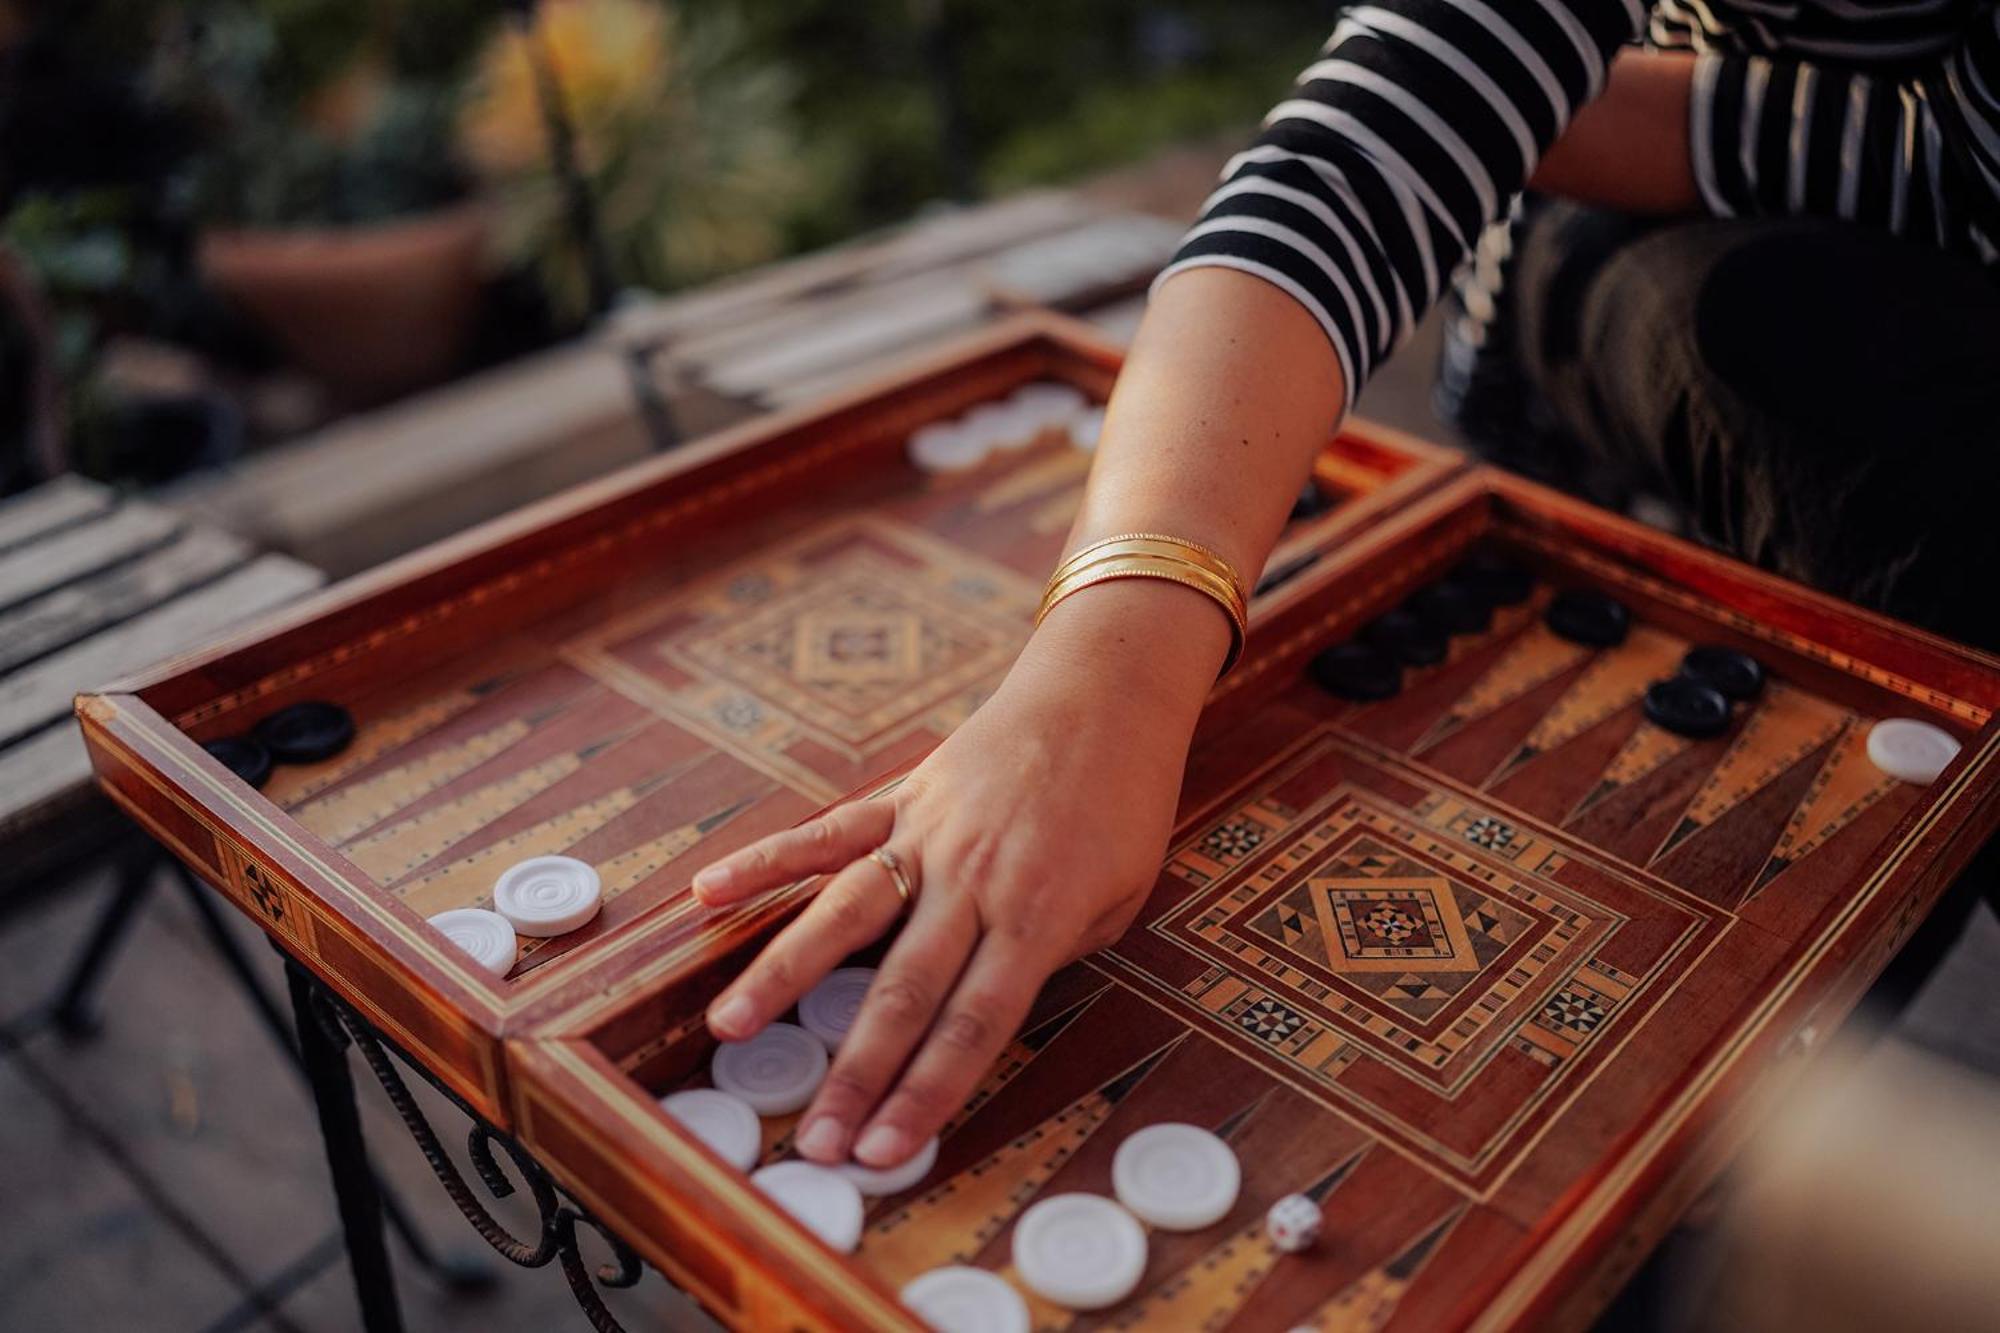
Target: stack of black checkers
{"type": "Point", "coordinates": [1418, 633]}
{"type": "Point", "coordinates": [304, 733]}
{"type": "Point", "coordinates": [1697, 702]}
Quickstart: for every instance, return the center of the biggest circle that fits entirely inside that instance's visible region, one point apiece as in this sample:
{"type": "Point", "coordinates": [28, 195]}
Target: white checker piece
{"type": "Point", "coordinates": [725, 1123]}
{"type": "Point", "coordinates": [875, 1181]}
{"type": "Point", "coordinates": [959, 1299]}
{"type": "Point", "coordinates": [776, 1072]}
{"type": "Point", "coordinates": [1177, 1177]}
{"type": "Point", "coordinates": [1081, 1251]}
{"type": "Point", "coordinates": [827, 1205]}
{"type": "Point", "coordinates": [1909, 750]}
{"type": "Point", "coordinates": [829, 1009]}
{"type": "Point", "coordinates": [545, 896]}
{"type": "Point", "coordinates": [483, 936]}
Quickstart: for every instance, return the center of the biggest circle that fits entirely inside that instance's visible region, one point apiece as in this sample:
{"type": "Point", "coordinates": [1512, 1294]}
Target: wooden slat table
{"type": "Point", "coordinates": [92, 586]}
{"type": "Point", "coordinates": [380, 484]}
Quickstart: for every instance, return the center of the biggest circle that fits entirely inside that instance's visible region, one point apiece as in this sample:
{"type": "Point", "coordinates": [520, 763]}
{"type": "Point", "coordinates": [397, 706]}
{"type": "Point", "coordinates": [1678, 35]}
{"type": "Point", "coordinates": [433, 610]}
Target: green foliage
{"type": "Point", "coordinates": [909, 100]}
{"type": "Point", "coordinates": [687, 140]}
{"type": "Point", "coordinates": [1120, 123]}
{"type": "Point", "coordinates": [76, 251]}
{"type": "Point", "coordinates": [249, 73]}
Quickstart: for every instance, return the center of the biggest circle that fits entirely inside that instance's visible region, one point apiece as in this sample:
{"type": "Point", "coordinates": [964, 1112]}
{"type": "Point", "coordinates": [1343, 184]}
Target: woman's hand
{"type": "Point", "coordinates": [1032, 836]}
{"type": "Point", "coordinates": [1035, 832]}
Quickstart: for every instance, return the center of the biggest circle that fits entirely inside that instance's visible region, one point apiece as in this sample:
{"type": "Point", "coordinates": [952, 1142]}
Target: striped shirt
{"type": "Point", "coordinates": [1423, 118]}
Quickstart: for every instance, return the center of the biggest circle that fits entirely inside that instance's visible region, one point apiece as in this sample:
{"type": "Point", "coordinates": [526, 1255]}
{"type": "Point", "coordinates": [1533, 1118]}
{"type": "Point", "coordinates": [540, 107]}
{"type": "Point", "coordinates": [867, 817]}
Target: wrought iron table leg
{"type": "Point", "coordinates": [554, 1238]}
{"type": "Point", "coordinates": [325, 1058]}
{"type": "Point", "coordinates": [74, 1014]}
{"type": "Point", "coordinates": [460, 1272]}
{"type": "Point", "coordinates": [231, 953]}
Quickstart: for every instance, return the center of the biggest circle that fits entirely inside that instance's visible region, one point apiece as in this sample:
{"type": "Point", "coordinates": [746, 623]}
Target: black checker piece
{"type": "Point", "coordinates": [306, 733]}
{"type": "Point", "coordinates": [1356, 671]}
{"type": "Point", "coordinates": [1451, 607]}
{"type": "Point", "coordinates": [1737, 675]}
{"type": "Point", "coordinates": [1687, 708]}
{"type": "Point", "coordinates": [1407, 637]}
{"type": "Point", "coordinates": [1586, 616]}
{"type": "Point", "coordinates": [1496, 578]}
{"type": "Point", "coordinates": [242, 756]}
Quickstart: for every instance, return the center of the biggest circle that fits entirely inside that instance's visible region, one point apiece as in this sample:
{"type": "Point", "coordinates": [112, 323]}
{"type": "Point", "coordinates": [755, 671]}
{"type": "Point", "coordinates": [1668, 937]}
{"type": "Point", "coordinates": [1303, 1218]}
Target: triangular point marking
{"type": "Point", "coordinates": [1329, 1182]}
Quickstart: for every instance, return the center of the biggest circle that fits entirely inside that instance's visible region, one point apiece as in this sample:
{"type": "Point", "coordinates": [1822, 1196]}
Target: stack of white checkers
{"type": "Point", "coordinates": [1013, 423]}
{"type": "Point", "coordinates": [541, 897]}
{"type": "Point", "coordinates": [775, 1073]}
{"type": "Point", "coordinates": [1080, 1251]}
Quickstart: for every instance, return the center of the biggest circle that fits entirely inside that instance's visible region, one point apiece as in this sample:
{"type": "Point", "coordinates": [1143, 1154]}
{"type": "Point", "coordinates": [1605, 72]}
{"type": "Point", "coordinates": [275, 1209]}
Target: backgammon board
{"type": "Point", "coordinates": [646, 673]}
{"type": "Point", "coordinates": [1495, 969]}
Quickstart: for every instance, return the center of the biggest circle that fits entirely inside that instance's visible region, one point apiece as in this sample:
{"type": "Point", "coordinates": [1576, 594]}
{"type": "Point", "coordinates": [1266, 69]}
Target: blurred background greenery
{"type": "Point", "coordinates": [197, 193]}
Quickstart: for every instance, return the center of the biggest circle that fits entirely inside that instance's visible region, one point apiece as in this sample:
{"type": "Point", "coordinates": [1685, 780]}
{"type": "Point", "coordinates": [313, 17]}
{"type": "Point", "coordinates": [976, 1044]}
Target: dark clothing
{"type": "Point", "coordinates": [1422, 119]}
{"type": "Point", "coordinates": [1819, 400]}
{"type": "Point", "coordinates": [1815, 398]}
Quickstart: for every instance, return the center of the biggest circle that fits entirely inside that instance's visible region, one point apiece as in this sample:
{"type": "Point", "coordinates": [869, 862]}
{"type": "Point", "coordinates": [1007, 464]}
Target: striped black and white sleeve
{"type": "Point", "coordinates": [1918, 156]}
{"type": "Point", "coordinates": [1417, 125]}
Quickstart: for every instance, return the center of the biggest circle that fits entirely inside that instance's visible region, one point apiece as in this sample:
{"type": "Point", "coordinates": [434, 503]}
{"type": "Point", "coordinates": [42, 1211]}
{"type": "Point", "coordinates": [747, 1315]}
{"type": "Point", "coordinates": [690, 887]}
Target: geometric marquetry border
{"type": "Point", "coordinates": [1328, 835]}
{"type": "Point", "coordinates": [1567, 1023]}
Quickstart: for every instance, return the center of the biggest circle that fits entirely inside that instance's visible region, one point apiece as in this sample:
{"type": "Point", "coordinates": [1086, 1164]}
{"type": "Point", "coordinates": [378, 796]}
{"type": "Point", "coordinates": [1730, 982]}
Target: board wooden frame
{"type": "Point", "coordinates": [376, 954]}
{"type": "Point", "coordinates": [699, 1221]}
{"type": "Point", "coordinates": [541, 1057]}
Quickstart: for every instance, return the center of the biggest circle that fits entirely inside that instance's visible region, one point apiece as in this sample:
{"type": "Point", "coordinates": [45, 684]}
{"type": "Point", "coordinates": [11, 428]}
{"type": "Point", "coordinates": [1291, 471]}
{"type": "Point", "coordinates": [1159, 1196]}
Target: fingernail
{"type": "Point", "coordinates": [882, 1146]}
{"type": "Point", "coordinates": [732, 1017]}
{"type": "Point", "coordinates": [823, 1140]}
{"type": "Point", "coordinates": [712, 879]}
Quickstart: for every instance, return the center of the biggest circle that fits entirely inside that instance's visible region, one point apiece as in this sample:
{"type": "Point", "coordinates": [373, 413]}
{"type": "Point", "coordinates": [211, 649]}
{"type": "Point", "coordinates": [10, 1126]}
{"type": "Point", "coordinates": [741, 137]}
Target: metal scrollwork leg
{"type": "Point", "coordinates": [323, 1051]}
{"type": "Point", "coordinates": [557, 1218]}
{"type": "Point", "coordinates": [624, 1273]}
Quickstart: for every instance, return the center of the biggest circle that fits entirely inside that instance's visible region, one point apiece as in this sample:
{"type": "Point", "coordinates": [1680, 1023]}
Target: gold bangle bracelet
{"type": "Point", "coordinates": [1150, 543]}
{"type": "Point", "coordinates": [1148, 566]}
{"type": "Point", "coordinates": [1206, 581]}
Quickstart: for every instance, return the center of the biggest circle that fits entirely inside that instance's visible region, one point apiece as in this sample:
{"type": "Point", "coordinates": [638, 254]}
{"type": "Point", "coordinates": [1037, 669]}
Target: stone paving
{"type": "Point", "coordinates": [167, 1173]}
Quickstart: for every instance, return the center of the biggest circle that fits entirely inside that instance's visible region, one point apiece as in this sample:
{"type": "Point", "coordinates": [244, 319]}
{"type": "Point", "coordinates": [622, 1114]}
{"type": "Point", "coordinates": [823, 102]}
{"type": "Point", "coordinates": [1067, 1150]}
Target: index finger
{"type": "Point", "coordinates": [821, 844]}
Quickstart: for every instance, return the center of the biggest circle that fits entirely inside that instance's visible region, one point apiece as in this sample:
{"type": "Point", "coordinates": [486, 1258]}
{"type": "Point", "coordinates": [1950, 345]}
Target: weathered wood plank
{"type": "Point", "coordinates": [63, 557]}
{"type": "Point", "coordinates": [68, 615]}
{"type": "Point", "coordinates": [58, 504]}
{"type": "Point", "coordinates": [33, 698]}
{"type": "Point", "coordinates": [1115, 254]}
{"type": "Point", "coordinates": [49, 766]}
{"type": "Point", "coordinates": [452, 451]}
{"type": "Point", "coordinates": [816, 339]}
{"type": "Point", "coordinates": [1118, 321]}
{"type": "Point", "coordinates": [929, 243]}
{"type": "Point", "coordinates": [375, 486]}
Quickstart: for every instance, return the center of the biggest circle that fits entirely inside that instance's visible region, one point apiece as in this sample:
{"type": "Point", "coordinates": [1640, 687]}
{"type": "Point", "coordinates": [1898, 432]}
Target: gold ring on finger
{"type": "Point", "coordinates": [898, 876]}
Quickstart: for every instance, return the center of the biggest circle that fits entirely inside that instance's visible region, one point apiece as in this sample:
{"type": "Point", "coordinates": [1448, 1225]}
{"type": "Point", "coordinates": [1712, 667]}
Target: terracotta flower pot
{"type": "Point", "coordinates": [371, 310]}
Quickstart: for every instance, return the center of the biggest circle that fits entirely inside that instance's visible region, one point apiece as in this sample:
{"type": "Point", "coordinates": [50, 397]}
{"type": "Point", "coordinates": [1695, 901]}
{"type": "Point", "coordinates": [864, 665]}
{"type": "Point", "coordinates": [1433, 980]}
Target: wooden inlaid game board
{"type": "Point", "coordinates": [1496, 970]}
{"type": "Point", "coordinates": [644, 674]}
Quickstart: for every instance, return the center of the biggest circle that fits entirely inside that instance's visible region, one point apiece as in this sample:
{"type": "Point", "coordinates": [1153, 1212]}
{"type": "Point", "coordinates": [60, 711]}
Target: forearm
{"type": "Point", "coordinates": [1630, 149]}
{"type": "Point", "coordinates": [1229, 391]}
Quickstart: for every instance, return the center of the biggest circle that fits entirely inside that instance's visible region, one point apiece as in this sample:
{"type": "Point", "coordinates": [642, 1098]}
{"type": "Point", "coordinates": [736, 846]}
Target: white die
{"type": "Point", "coordinates": [1293, 1223]}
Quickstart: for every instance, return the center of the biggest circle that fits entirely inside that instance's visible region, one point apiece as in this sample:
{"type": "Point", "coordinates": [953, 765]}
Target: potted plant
{"type": "Point", "coordinates": [686, 142]}
{"type": "Point", "coordinates": [86, 290]}
{"type": "Point", "coordinates": [335, 211]}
